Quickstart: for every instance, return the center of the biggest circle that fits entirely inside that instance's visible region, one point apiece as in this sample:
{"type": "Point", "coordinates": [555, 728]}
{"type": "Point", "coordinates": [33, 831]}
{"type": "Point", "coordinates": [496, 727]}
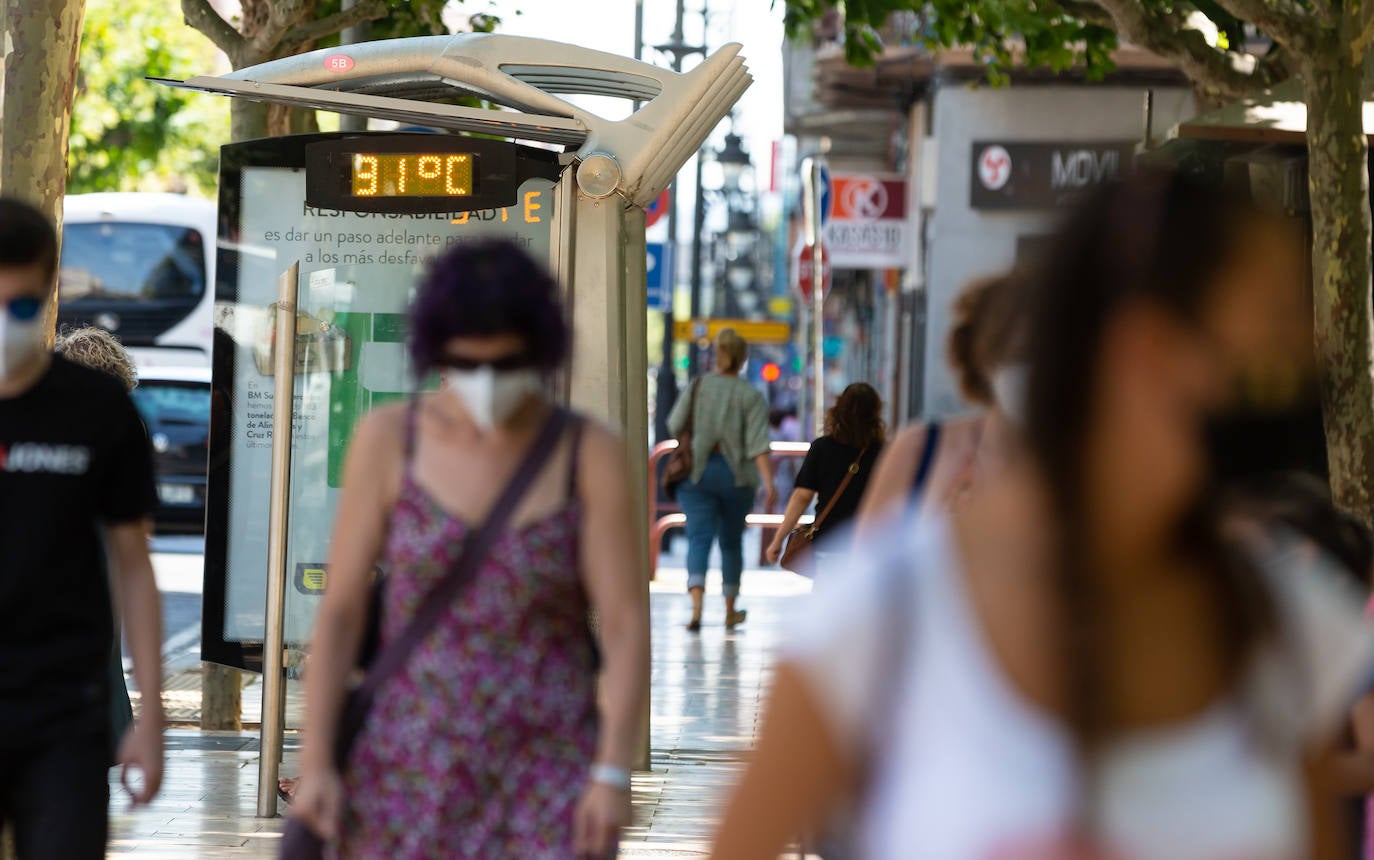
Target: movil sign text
{"type": "Point", "coordinates": [1083, 168]}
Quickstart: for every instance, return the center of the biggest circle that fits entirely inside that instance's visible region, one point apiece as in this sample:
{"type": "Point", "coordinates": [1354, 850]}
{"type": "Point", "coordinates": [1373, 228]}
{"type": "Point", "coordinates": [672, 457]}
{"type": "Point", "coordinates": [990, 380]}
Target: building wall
{"type": "Point", "coordinates": [961, 242]}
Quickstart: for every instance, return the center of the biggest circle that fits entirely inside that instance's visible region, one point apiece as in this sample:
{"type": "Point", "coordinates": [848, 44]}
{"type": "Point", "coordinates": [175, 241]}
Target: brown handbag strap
{"type": "Point", "coordinates": [691, 410]}
{"type": "Point", "coordinates": [844, 485]}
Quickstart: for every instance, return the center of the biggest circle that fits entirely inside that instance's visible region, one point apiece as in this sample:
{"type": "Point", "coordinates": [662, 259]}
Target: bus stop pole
{"type": "Point", "coordinates": [273, 672]}
{"type": "Point", "coordinates": [811, 209]}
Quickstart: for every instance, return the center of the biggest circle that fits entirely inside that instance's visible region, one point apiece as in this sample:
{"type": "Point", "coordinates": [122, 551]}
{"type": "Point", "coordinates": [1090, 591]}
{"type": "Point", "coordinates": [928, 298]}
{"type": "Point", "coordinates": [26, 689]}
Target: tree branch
{"type": "Point", "coordinates": [1085, 11]}
{"type": "Point", "coordinates": [266, 42]}
{"type": "Point", "coordinates": [1226, 73]}
{"type": "Point", "coordinates": [1282, 20]}
{"type": "Point", "coordinates": [200, 15]}
{"type": "Point", "coordinates": [1360, 46]}
{"type": "Point", "coordinates": [371, 10]}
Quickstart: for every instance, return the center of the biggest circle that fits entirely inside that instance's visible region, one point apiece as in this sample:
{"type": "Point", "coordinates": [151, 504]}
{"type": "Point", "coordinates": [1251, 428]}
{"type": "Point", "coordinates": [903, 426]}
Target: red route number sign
{"type": "Point", "coordinates": [806, 271]}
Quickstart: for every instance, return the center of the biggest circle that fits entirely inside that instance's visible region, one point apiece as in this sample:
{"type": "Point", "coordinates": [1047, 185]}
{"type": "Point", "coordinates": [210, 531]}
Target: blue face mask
{"type": "Point", "coordinates": [21, 334]}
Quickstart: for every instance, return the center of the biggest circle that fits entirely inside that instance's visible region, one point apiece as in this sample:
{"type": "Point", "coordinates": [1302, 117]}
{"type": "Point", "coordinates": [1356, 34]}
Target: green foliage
{"type": "Point", "coordinates": [408, 18]}
{"type": "Point", "coordinates": [131, 135]}
{"type": "Point", "coordinates": [1051, 36]}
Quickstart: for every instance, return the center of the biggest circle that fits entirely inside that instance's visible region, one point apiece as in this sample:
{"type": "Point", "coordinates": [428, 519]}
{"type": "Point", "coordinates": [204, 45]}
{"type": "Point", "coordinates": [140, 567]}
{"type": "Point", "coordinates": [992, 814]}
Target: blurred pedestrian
{"type": "Point", "coordinates": [1299, 505]}
{"type": "Point", "coordinates": [783, 427]}
{"type": "Point", "coordinates": [730, 457]}
{"type": "Point", "coordinates": [76, 473]}
{"type": "Point", "coordinates": [97, 349]}
{"type": "Point", "coordinates": [486, 742]}
{"type": "Point", "coordinates": [1077, 661]}
{"type": "Point", "coordinates": [941, 462]}
{"type": "Point", "coordinates": [836, 471]}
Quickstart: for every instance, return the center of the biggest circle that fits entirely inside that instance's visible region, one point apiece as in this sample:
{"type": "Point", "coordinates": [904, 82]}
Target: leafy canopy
{"type": "Point", "coordinates": [131, 135]}
{"type": "Point", "coordinates": [1207, 39]}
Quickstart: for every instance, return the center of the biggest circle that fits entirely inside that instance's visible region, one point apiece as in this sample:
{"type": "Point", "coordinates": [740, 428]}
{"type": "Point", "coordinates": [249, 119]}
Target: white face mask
{"type": "Point", "coordinates": [20, 341]}
{"type": "Point", "coordinates": [491, 397]}
{"type": "Point", "coordinates": [1009, 384]}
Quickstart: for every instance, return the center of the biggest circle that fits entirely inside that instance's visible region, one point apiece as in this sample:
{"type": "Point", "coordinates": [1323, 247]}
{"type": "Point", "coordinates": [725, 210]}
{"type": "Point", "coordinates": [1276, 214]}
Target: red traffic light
{"type": "Point", "coordinates": [770, 372]}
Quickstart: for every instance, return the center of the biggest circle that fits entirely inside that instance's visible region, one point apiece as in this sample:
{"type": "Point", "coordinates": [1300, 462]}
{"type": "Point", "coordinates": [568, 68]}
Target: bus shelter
{"type": "Point", "coordinates": [322, 237]}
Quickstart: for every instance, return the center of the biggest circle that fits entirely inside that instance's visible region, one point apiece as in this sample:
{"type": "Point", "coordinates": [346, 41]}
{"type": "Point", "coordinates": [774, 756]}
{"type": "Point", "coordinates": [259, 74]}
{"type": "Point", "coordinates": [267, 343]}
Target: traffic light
{"type": "Point", "coordinates": [770, 372]}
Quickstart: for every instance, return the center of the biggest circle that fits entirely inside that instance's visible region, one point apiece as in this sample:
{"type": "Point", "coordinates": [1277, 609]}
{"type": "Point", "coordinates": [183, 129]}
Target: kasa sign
{"type": "Point", "coordinates": [1043, 175]}
{"type": "Point", "coordinates": [867, 227]}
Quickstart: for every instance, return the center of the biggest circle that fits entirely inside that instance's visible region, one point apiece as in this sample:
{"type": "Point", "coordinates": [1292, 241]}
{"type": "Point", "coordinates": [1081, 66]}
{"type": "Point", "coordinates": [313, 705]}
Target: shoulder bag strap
{"type": "Point", "coordinates": [691, 409]}
{"type": "Point", "coordinates": [474, 549]}
{"type": "Point", "coordinates": [839, 492]}
{"type": "Point", "coordinates": [918, 486]}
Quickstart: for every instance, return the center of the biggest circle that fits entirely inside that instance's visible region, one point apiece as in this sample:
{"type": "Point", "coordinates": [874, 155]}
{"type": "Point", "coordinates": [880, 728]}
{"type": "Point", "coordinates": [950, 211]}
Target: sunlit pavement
{"type": "Point", "coordinates": [707, 693]}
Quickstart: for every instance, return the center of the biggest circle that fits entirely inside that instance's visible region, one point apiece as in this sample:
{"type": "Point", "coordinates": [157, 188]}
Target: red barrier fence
{"type": "Point", "coordinates": [659, 525]}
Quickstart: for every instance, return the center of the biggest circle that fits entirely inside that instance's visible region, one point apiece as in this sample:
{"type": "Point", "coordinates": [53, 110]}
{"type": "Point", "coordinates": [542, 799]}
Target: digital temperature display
{"type": "Point", "coordinates": [412, 174]}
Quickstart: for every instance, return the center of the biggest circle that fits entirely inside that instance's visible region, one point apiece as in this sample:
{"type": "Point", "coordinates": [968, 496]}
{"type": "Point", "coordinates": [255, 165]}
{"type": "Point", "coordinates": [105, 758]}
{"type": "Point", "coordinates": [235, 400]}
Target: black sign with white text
{"type": "Point", "coordinates": [1043, 175]}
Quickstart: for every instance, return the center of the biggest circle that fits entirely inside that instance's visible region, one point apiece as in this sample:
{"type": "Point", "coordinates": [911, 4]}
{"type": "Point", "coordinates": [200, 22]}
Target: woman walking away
{"type": "Point", "coordinates": [836, 470]}
{"type": "Point", "coordinates": [941, 463]}
{"type": "Point", "coordinates": [487, 741]}
{"type": "Point", "coordinates": [730, 444]}
{"type": "Point", "coordinates": [99, 350]}
{"type": "Point", "coordinates": [1078, 662]}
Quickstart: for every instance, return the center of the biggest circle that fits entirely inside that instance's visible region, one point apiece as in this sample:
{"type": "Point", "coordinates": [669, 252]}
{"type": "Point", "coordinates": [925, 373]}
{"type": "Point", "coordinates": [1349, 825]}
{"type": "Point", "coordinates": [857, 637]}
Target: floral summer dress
{"type": "Point", "coordinates": [480, 746]}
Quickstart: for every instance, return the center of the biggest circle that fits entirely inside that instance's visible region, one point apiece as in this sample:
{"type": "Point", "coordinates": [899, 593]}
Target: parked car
{"type": "Point", "coordinates": [175, 405]}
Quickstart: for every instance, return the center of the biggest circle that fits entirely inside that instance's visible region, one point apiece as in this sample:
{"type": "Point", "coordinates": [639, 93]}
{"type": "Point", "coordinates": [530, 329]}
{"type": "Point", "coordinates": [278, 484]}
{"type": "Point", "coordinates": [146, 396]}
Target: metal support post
{"type": "Point", "coordinates": [273, 671]}
{"type": "Point", "coordinates": [811, 210]}
{"type": "Point", "coordinates": [698, 227]}
{"type": "Point", "coordinates": [350, 36]}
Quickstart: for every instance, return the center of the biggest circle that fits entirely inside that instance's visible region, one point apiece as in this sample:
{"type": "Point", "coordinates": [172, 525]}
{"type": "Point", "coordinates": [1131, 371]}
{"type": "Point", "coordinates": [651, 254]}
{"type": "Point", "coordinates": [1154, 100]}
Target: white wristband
{"type": "Point", "coordinates": [610, 775]}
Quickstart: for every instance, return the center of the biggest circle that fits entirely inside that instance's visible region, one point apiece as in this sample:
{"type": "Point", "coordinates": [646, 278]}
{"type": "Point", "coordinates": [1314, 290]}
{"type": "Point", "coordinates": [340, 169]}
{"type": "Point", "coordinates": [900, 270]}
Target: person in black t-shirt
{"type": "Point", "coordinates": [76, 474]}
{"type": "Point", "coordinates": [854, 434]}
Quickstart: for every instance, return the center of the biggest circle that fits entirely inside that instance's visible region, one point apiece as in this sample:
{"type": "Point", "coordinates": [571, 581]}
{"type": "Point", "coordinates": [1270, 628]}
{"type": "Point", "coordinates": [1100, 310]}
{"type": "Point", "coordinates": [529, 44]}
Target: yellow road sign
{"type": "Point", "coordinates": [754, 331]}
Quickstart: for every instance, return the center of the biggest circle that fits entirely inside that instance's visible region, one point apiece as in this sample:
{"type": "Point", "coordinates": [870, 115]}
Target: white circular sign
{"type": "Point", "coordinates": [994, 168]}
{"type": "Point", "coordinates": [866, 198]}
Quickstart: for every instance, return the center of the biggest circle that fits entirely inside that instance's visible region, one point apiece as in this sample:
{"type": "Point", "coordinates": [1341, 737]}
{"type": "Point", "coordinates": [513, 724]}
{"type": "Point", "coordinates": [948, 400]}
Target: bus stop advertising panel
{"type": "Point", "coordinates": [336, 228]}
{"type": "Point", "coordinates": [360, 215]}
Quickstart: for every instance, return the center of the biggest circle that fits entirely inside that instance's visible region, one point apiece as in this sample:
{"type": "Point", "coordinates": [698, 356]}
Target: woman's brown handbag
{"type": "Point", "coordinates": [678, 467]}
{"type": "Point", "coordinates": [797, 549]}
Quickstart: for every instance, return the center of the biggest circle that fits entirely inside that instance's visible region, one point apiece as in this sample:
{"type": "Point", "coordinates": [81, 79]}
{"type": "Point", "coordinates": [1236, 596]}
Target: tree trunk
{"type": "Point", "coordinates": [1338, 176]}
{"type": "Point", "coordinates": [221, 704]}
{"type": "Point", "coordinates": [247, 120]}
{"type": "Point", "coordinates": [37, 84]}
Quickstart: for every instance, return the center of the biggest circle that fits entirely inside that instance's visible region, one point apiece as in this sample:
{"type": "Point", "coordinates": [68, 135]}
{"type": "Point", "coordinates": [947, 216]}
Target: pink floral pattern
{"type": "Point", "coordinates": [480, 747]}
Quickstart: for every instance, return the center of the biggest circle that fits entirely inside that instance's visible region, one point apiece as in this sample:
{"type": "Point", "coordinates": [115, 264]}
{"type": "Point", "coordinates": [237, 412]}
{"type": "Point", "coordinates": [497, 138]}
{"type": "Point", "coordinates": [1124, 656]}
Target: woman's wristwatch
{"type": "Point", "coordinates": [612, 776]}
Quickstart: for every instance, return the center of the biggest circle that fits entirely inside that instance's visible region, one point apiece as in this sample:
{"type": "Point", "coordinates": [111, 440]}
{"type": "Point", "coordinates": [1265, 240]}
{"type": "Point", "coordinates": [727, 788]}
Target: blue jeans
{"type": "Point", "coordinates": [715, 510]}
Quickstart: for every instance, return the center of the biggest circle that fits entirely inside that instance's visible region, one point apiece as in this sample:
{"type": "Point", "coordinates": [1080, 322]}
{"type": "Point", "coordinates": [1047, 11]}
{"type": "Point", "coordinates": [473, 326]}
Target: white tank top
{"type": "Point", "coordinates": [965, 768]}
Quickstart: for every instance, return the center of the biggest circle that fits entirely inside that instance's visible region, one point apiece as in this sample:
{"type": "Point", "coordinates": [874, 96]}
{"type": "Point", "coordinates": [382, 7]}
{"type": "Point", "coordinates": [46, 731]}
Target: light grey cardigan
{"type": "Point", "coordinates": [730, 414]}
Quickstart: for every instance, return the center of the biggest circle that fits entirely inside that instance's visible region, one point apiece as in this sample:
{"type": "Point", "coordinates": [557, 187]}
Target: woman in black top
{"type": "Point", "coordinates": [854, 433]}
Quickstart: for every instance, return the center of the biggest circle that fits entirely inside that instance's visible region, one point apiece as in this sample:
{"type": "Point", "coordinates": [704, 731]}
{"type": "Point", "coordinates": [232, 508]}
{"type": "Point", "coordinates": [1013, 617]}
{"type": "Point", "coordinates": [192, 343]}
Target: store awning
{"type": "Point", "coordinates": [1276, 116]}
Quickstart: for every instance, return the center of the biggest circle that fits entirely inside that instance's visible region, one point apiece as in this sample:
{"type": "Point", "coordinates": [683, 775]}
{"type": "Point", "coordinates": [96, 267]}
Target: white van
{"type": "Point", "coordinates": [141, 266]}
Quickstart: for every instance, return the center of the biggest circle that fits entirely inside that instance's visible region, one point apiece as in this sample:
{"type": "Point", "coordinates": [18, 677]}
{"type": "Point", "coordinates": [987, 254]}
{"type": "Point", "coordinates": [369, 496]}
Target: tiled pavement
{"type": "Point", "coordinates": [706, 695]}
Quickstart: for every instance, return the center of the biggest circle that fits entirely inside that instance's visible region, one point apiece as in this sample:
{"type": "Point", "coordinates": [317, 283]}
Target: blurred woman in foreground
{"type": "Point", "coordinates": [1075, 663]}
{"type": "Point", "coordinates": [488, 742]}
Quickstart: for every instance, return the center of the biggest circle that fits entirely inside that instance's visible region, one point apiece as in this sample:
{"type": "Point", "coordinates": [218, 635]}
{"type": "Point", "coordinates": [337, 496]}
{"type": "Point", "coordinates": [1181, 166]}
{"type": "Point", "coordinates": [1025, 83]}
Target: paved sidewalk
{"type": "Point", "coordinates": [706, 695]}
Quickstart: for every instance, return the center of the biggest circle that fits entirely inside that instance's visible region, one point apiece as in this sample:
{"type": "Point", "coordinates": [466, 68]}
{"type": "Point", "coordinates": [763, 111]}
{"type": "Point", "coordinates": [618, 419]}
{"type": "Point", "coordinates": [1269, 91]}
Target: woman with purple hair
{"type": "Point", "coordinates": [488, 742]}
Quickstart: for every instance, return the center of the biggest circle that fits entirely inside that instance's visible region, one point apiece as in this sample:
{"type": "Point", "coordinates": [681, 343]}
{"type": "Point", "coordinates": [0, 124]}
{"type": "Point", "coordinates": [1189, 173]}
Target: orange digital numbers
{"type": "Point", "coordinates": [429, 174]}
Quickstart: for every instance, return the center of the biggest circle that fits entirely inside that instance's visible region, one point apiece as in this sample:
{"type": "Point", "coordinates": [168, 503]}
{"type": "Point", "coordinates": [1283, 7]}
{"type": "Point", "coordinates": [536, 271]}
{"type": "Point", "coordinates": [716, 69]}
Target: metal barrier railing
{"type": "Point", "coordinates": [659, 525]}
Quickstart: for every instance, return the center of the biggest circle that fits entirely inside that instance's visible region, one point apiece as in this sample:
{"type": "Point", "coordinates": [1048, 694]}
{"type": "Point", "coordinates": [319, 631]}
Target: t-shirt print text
{"type": "Point", "coordinates": [34, 457]}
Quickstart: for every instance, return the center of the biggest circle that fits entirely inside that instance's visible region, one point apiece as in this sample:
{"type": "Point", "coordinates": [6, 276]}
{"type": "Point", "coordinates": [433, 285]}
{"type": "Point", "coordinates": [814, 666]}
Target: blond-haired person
{"type": "Point", "coordinates": [730, 444]}
{"type": "Point", "coordinates": [99, 350]}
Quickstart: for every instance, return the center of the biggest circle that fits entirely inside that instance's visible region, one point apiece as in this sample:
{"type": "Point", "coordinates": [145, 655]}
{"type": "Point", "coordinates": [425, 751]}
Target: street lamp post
{"type": "Point", "coordinates": [735, 270]}
{"type": "Point", "coordinates": [666, 381]}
